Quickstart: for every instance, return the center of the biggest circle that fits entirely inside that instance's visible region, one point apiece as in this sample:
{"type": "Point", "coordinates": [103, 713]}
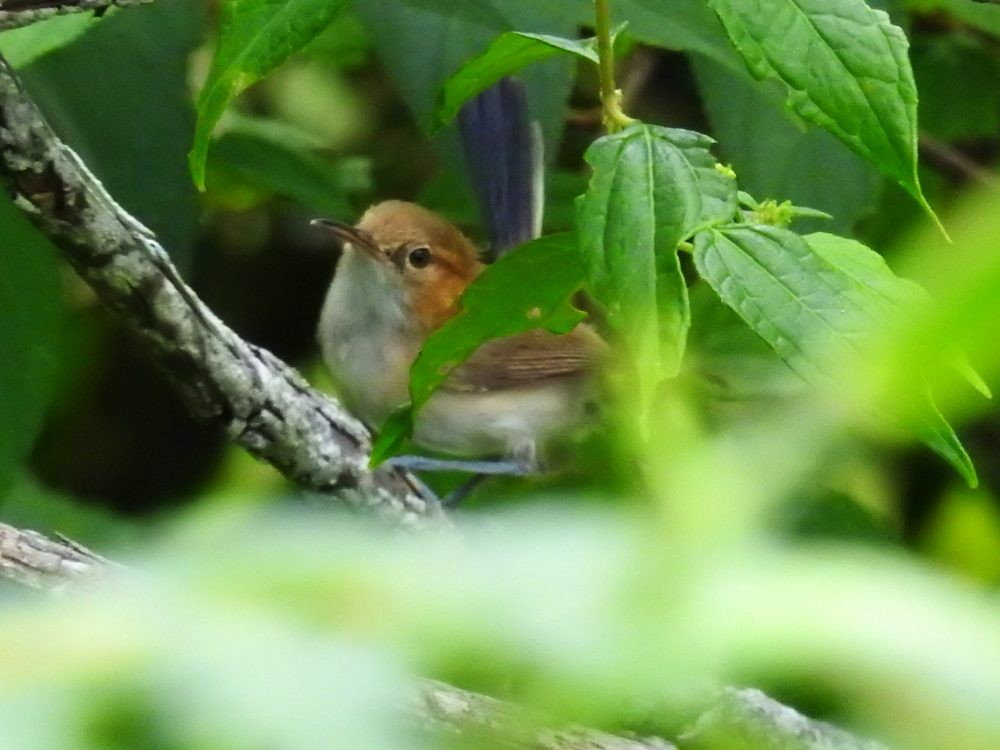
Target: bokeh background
{"type": "Point", "coordinates": [109, 450]}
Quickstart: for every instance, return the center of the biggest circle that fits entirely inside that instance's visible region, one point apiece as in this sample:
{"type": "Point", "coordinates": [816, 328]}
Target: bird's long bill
{"type": "Point", "coordinates": [350, 233]}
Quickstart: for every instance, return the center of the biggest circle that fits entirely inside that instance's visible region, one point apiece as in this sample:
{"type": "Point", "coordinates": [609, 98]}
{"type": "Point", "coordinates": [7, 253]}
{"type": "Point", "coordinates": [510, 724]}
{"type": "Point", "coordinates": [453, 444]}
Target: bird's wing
{"type": "Point", "coordinates": [531, 357]}
{"type": "Point", "coordinates": [505, 155]}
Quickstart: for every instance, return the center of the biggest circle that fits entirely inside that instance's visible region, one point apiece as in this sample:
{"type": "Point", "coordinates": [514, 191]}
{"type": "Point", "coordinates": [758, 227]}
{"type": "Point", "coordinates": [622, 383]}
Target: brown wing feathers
{"type": "Point", "coordinates": [534, 356]}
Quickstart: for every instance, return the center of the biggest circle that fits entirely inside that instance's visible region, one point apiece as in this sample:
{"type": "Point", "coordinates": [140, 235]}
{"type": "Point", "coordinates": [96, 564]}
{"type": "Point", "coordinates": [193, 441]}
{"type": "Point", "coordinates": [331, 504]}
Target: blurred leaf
{"type": "Point", "coordinates": [818, 301]}
{"type": "Point", "coordinates": [980, 14]}
{"type": "Point", "coordinates": [30, 318]}
{"type": "Point", "coordinates": [687, 25]}
{"type": "Point", "coordinates": [956, 77]}
{"type": "Point", "coordinates": [776, 155]}
{"type": "Point", "coordinates": [119, 96]}
{"type": "Point", "coordinates": [30, 505]}
{"type": "Point", "coordinates": [845, 68]}
{"type": "Point", "coordinates": [443, 35]}
{"type": "Point", "coordinates": [345, 43]}
{"type": "Point", "coordinates": [888, 294]}
{"type": "Point", "coordinates": [507, 54]}
{"type": "Point", "coordinates": [964, 534]}
{"type": "Point", "coordinates": [255, 37]}
{"type": "Point", "coordinates": [651, 188]}
{"type": "Point", "coordinates": [24, 45]}
{"type": "Point", "coordinates": [278, 159]}
{"type": "Point", "coordinates": [964, 282]}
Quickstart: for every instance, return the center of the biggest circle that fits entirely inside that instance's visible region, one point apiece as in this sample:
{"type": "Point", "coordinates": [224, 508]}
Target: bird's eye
{"type": "Point", "coordinates": [419, 257]}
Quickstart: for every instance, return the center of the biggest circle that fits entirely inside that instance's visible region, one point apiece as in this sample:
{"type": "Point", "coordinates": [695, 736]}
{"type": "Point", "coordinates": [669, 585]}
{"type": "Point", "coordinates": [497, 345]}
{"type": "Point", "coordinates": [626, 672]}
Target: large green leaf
{"type": "Point", "coordinates": [255, 37]}
{"type": "Point", "coordinates": [818, 302]}
{"type": "Point", "coordinates": [530, 287]}
{"type": "Point", "coordinates": [28, 43]}
{"type": "Point", "coordinates": [846, 69]}
{"type": "Point", "coordinates": [30, 316]}
{"type": "Point", "coordinates": [119, 96]}
{"type": "Point", "coordinates": [508, 53]}
{"type": "Point", "coordinates": [778, 155]}
{"type": "Point", "coordinates": [651, 188]}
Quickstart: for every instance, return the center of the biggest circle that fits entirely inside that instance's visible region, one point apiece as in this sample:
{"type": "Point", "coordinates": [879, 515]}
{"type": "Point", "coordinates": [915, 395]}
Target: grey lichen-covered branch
{"type": "Point", "coordinates": [28, 558]}
{"type": "Point", "coordinates": [262, 403]}
{"type": "Point", "coordinates": [16, 13]}
{"type": "Point", "coordinates": [734, 719]}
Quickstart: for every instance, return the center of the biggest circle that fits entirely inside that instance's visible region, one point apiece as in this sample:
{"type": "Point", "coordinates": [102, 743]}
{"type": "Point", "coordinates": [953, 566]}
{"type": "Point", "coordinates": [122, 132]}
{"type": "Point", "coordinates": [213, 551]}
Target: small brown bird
{"type": "Point", "coordinates": [400, 277]}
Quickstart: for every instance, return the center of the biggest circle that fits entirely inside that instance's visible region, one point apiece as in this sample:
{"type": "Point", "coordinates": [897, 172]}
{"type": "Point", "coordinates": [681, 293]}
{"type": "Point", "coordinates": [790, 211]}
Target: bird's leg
{"type": "Point", "coordinates": [511, 467]}
{"type": "Point", "coordinates": [523, 461]}
{"type": "Point", "coordinates": [458, 495]}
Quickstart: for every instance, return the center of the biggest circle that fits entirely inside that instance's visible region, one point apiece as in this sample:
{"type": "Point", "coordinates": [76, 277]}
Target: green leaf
{"type": "Point", "coordinates": [28, 43]}
{"type": "Point", "coordinates": [392, 435]}
{"type": "Point", "coordinates": [128, 69]}
{"type": "Point", "coordinates": [768, 145]}
{"type": "Point", "coordinates": [651, 188]}
{"type": "Point", "coordinates": [508, 53]}
{"type": "Point", "coordinates": [817, 302]}
{"type": "Point", "coordinates": [845, 68]}
{"type": "Point", "coordinates": [255, 37]}
{"type": "Point", "coordinates": [279, 159]}
{"type": "Point", "coordinates": [530, 287]}
{"type": "Point", "coordinates": [30, 318]}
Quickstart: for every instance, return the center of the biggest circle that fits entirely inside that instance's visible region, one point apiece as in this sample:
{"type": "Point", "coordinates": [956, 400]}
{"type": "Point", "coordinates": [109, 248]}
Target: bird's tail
{"type": "Point", "coordinates": [505, 154]}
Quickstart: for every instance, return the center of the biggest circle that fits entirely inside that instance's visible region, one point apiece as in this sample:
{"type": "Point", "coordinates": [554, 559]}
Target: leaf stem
{"type": "Point", "coordinates": [611, 97]}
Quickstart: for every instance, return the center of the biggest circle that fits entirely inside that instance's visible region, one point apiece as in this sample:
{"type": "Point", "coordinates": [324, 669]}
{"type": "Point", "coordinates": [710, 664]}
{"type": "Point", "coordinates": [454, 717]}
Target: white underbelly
{"type": "Point", "coordinates": [499, 423]}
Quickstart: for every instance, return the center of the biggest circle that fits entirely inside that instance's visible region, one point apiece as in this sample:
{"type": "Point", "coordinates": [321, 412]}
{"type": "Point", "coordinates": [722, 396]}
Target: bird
{"type": "Point", "coordinates": [401, 275]}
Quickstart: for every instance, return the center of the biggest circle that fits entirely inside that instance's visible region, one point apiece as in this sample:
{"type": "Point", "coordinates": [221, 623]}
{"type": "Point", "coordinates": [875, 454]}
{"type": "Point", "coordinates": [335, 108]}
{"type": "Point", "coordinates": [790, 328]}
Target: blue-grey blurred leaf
{"type": "Point", "coordinates": [119, 96]}
{"type": "Point", "coordinates": [30, 317]}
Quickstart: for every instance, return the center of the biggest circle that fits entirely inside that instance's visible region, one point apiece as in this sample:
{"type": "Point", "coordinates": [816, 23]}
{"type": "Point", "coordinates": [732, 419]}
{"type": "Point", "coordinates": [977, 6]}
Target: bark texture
{"type": "Point", "coordinates": [15, 13]}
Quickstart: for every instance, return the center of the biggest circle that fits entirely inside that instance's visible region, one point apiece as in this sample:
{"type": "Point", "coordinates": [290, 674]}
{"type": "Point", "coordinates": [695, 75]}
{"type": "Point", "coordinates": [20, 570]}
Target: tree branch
{"type": "Point", "coordinates": [16, 13]}
{"type": "Point", "coordinates": [28, 558]}
{"type": "Point", "coordinates": [262, 403]}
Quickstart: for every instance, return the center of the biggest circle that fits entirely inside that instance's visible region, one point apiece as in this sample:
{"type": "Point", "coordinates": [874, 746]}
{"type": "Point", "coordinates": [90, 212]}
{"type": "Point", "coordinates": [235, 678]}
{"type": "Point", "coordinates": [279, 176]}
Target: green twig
{"type": "Point", "coordinates": [611, 97]}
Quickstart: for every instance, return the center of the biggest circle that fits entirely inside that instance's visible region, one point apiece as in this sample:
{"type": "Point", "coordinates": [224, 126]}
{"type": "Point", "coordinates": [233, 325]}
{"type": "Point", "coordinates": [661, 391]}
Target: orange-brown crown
{"type": "Point", "coordinates": [398, 228]}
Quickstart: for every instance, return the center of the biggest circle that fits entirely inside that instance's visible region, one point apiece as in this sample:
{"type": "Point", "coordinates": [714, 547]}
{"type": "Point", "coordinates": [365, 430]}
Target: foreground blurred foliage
{"type": "Point", "coordinates": [760, 531]}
